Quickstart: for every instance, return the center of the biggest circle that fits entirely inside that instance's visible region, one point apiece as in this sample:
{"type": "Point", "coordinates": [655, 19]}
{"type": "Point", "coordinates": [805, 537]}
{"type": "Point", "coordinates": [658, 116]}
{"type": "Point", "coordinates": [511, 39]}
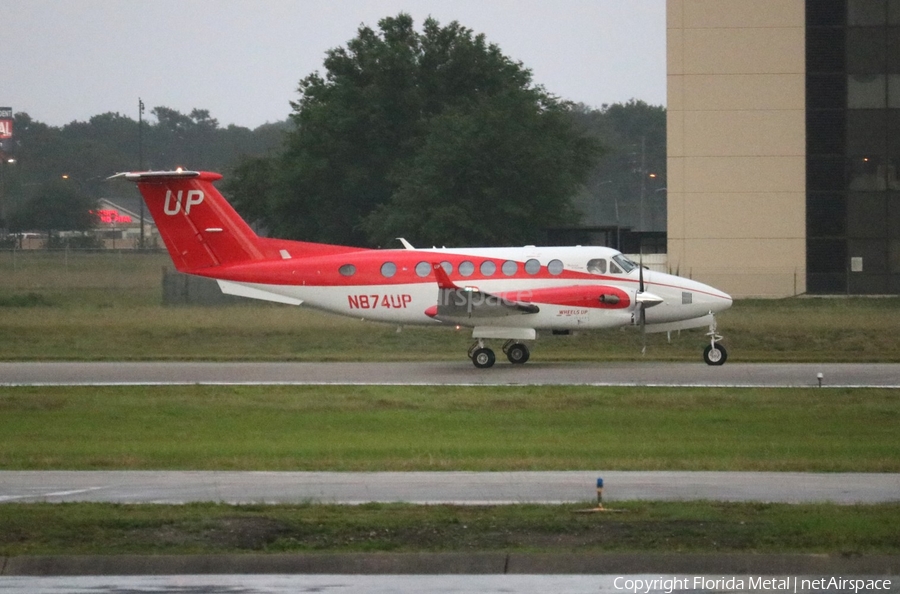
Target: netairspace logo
{"type": "Point", "coordinates": [795, 584]}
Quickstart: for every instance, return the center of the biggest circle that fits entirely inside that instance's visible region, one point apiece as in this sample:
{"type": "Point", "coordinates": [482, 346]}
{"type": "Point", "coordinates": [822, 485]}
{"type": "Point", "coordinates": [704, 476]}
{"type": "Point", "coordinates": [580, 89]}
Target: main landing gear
{"type": "Point", "coordinates": [483, 357]}
{"type": "Point", "coordinates": [714, 353]}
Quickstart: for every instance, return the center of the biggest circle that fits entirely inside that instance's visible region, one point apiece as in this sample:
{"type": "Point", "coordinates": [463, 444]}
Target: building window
{"type": "Point", "coordinates": [866, 91]}
{"type": "Point", "coordinates": [866, 12]}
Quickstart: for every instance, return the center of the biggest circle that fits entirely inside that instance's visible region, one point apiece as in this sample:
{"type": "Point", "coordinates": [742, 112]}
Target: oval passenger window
{"type": "Point", "coordinates": [555, 267]}
{"type": "Point", "coordinates": [388, 269]}
{"type": "Point", "coordinates": [423, 269]}
{"type": "Point", "coordinates": [347, 270]}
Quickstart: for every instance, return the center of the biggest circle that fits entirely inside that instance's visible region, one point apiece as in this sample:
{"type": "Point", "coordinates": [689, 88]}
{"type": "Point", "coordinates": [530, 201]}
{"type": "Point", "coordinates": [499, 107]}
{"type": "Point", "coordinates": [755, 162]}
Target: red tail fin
{"type": "Point", "coordinates": [200, 229]}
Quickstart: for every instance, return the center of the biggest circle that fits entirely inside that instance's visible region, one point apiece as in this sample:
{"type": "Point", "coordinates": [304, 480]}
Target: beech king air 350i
{"type": "Point", "coordinates": [501, 293]}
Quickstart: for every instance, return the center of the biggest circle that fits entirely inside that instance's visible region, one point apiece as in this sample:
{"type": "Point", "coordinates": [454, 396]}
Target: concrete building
{"type": "Point", "coordinates": [784, 144]}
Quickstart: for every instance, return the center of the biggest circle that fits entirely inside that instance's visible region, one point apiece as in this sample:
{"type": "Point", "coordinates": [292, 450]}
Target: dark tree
{"type": "Point", "coordinates": [436, 136]}
{"type": "Point", "coordinates": [631, 176]}
{"type": "Point", "coordinates": [57, 205]}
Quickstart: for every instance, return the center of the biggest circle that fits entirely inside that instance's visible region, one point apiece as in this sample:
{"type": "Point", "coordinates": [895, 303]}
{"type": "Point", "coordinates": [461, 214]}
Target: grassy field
{"type": "Point", "coordinates": [93, 306]}
{"type": "Point", "coordinates": [78, 529]}
{"type": "Point", "coordinates": [51, 322]}
{"type": "Point", "coordinates": [107, 306]}
{"type": "Point", "coordinates": [448, 428]}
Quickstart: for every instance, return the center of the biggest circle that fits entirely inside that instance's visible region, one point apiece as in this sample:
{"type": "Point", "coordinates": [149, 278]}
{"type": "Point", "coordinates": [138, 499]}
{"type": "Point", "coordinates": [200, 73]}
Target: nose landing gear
{"type": "Point", "coordinates": [714, 353]}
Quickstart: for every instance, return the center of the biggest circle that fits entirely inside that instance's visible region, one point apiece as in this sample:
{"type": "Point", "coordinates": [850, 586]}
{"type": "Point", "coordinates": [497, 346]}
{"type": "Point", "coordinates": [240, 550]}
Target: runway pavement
{"type": "Point", "coordinates": [463, 488]}
{"type": "Point", "coordinates": [886, 375]}
{"type": "Point", "coordinates": [452, 487]}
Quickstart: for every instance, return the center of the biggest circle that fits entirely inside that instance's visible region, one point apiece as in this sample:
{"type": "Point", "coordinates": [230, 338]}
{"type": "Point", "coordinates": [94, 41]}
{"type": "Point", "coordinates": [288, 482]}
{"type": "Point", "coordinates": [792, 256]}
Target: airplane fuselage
{"type": "Point", "coordinates": [397, 286]}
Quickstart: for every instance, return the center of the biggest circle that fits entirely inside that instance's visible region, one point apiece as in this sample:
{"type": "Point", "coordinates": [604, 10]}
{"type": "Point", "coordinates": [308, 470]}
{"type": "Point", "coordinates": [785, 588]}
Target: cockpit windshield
{"type": "Point", "coordinates": [626, 264]}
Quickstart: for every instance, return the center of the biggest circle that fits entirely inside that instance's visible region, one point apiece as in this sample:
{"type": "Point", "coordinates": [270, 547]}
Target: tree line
{"type": "Point", "coordinates": [433, 135]}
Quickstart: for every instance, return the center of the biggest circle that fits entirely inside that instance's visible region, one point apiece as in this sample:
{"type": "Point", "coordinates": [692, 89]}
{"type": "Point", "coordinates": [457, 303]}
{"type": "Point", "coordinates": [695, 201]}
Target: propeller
{"type": "Point", "coordinates": [641, 306]}
{"type": "Point", "coordinates": [643, 300]}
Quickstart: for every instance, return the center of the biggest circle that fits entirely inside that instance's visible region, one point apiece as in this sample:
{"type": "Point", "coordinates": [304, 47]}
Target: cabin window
{"type": "Point", "coordinates": [509, 268]}
{"type": "Point", "coordinates": [488, 268]}
{"type": "Point", "coordinates": [448, 267]}
{"type": "Point", "coordinates": [532, 266]}
{"type": "Point", "coordinates": [555, 267]}
{"type": "Point", "coordinates": [597, 266]}
{"type": "Point", "coordinates": [347, 270]}
{"type": "Point", "coordinates": [388, 269]}
{"type": "Point", "coordinates": [614, 269]}
{"type": "Point", "coordinates": [466, 268]}
{"type": "Point", "coordinates": [423, 269]}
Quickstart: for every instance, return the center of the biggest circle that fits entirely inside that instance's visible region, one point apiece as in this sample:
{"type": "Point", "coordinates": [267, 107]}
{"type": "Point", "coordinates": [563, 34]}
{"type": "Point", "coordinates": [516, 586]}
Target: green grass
{"type": "Point", "coordinates": [105, 529]}
{"type": "Point", "coordinates": [448, 428]}
{"type": "Point", "coordinates": [107, 325]}
{"type": "Point", "coordinates": [107, 306]}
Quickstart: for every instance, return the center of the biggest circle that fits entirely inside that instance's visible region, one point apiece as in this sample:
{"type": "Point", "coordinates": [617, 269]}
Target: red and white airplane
{"type": "Point", "coordinates": [502, 293]}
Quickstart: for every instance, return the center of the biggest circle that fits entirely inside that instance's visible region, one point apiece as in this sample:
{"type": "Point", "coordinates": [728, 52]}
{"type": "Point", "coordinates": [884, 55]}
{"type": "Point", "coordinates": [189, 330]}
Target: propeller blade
{"type": "Point", "coordinates": [643, 329]}
{"type": "Point", "coordinates": [641, 304]}
{"type": "Point", "coordinates": [641, 274]}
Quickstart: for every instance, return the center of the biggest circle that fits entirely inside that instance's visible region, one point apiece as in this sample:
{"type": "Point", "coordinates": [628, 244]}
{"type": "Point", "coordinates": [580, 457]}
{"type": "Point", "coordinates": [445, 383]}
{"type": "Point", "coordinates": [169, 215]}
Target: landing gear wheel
{"type": "Point", "coordinates": [483, 358]}
{"type": "Point", "coordinates": [517, 353]}
{"type": "Point", "coordinates": [715, 354]}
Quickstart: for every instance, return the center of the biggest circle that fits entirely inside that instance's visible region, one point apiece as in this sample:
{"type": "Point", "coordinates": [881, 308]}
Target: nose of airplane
{"type": "Point", "coordinates": [717, 300]}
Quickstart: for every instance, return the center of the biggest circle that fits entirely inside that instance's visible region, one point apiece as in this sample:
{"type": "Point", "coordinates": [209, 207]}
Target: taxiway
{"type": "Point", "coordinates": [460, 488]}
{"type": "Point", "coordinates": [772, 375]}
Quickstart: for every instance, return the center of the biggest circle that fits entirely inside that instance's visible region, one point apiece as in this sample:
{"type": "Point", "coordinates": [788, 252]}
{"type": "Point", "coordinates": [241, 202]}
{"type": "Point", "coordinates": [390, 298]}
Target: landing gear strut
{"type": "Point", "coordinates": [483, 357]}
{"type": "Point", "coordinates": [714, 353]}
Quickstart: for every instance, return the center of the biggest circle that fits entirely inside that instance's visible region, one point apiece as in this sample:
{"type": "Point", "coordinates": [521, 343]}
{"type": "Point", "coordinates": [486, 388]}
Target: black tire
{"type": "Point", "coordinates": [483, 358]}
{"type": "Point", "coordinates": [715, 356]}
{"type": "Point", "coordinates": [518, 353]}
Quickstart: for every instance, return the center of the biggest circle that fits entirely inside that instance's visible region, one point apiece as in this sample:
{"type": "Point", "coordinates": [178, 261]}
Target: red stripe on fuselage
{"type": "Point", "coordinates": [324, 271]}
{"type": "Point", "coordinates": [321, 269]}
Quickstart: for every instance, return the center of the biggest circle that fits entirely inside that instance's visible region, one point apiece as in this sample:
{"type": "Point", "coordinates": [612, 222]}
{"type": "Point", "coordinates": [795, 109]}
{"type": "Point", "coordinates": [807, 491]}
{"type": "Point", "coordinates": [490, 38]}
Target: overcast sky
{"type": "Point", "coordinates": [66, 60]}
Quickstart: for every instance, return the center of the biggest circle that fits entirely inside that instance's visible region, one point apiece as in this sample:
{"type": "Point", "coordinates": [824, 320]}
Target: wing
{"type": "Point", "coordinates": [455, 302]}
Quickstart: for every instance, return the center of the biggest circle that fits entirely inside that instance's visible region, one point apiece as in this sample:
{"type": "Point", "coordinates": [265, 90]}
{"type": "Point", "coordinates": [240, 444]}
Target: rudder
{"type": "Point", "coordinates": [200, 229]}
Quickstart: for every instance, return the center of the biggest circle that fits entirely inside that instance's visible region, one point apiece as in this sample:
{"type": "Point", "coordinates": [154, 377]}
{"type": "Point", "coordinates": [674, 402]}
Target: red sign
{"type": "Point", "coordinates": [6, 129]}
{"type": "Point", "coordinates": [111, 217]}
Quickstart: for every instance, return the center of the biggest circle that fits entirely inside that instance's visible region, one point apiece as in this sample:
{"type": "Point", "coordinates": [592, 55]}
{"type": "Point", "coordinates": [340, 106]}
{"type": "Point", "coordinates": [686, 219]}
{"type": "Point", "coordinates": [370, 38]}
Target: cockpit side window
{"type": "Point", "coordinates": [614, 269]}
{"type": "Point", "coordinates": [626, 264]}
{"type": "Point", "coordinates": [597, 266]}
